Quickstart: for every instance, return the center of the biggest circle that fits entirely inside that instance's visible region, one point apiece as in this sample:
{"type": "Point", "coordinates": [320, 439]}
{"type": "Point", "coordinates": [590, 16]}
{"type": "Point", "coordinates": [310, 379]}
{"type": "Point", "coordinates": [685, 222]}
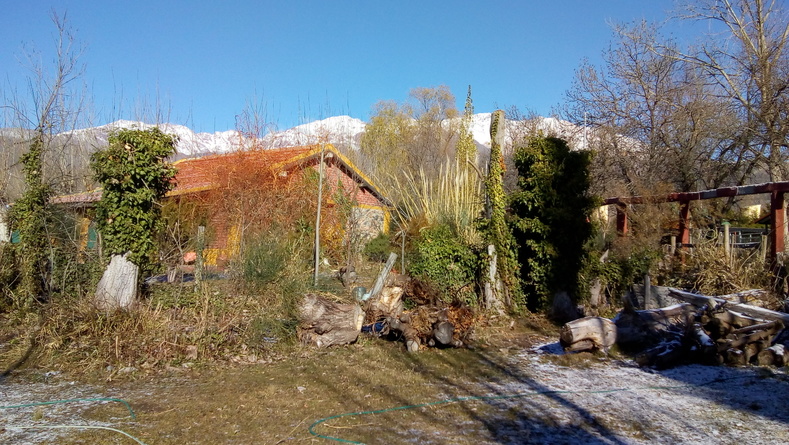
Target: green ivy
{"type": "Point", "coordinates": [550, 217]}
{"type": "Point", "coordinates": [498, 233]}
{"type": "Point", "coordinates": [29, 218]}
{"type": "Point", "coordinates": [135, 175]}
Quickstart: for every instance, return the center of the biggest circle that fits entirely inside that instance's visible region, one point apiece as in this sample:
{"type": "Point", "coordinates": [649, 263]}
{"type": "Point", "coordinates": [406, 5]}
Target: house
{"type": "Point", "coordinates": [224, 178]}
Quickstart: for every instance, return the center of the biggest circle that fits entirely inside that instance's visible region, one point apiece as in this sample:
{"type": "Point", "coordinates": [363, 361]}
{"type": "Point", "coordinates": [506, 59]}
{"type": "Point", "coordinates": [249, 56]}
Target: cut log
{"type": "Point", "coordinates": [402, 327]}
{"type": "Point", "coordinates": [772, 356]}
{"type": "Point", "coordinates": [117, 288]}
{"type": "Point", "coordinates": [442, 333]}
{"type": "Point", "coordinates": [600, 331]}
{"type": "Point", "coordinates": [388, 303]}
{"type": "Point", "coordinates": [734, 357]}
{"type": "Point", "coordinates": [735, 318]}
{"type": "Point", "coordinates": [707, 350]}
{"type": "Point", "coordinates": [581, 345]}
{"type": "Point", "coordinates": [753, 311]}
{"type": "Point", "coordinates": [325, 323]}
{"type": "Point", "coordinates": [771, 327]}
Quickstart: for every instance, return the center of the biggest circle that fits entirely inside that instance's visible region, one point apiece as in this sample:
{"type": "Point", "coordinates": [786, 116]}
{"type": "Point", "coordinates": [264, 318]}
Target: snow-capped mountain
{"type": "Point", "coordinates": [342, 131]}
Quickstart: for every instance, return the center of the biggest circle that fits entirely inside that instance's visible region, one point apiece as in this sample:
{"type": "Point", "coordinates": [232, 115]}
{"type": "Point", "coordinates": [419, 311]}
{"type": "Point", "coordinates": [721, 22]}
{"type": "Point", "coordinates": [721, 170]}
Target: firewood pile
{"type": "Point", "coordinates": [702, 329]}
{"type": "Point", "coordinates": [430, 322]}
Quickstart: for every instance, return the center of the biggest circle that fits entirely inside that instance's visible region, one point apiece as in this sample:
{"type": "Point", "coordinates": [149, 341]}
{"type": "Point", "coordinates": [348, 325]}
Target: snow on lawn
{"type": "Point", "coordinates": [616, 402]}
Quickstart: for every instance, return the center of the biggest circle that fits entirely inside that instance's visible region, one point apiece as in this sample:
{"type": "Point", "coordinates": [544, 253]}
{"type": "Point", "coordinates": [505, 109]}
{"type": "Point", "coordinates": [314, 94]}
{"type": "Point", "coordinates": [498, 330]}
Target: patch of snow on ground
{"type": "Point", "coordinates": [47, 423]}
{"type": "Point", "coordinates": [616, 402]}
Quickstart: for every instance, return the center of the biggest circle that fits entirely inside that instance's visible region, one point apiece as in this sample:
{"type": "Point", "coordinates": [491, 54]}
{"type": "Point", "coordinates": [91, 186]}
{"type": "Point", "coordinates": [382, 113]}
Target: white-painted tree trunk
{"type": "Point", "coordinates": [117, 288]}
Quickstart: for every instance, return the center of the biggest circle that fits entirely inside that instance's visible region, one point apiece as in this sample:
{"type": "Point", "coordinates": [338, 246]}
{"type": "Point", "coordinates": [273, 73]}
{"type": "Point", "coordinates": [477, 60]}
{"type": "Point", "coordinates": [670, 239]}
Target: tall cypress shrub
{"type": "Point", "coordinates": [550, 217]}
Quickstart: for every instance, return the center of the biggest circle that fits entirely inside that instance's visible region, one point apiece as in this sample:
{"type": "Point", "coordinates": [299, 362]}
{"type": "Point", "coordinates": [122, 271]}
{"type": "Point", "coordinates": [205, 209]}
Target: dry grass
{"type": "Point", "coordinates": [453, 198]}
{"type": "Point", "coordinates": [276, 402]}
{"type": "Point", "coordinates": [177, 326]}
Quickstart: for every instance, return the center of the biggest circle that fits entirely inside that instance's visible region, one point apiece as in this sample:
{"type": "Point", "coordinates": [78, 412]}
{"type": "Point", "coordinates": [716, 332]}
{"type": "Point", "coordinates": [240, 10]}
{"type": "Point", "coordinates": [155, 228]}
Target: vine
{"type": "Point", "coordinates": [29, 217]}
{"type": "Point", "coordinates": [135, 176]}
{"type": "Point", "coordinates": [498, 232]}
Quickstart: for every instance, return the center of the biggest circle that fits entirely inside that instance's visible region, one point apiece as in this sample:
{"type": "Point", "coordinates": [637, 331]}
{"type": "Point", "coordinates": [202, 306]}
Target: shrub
{"type": "Point", "coordinates": [378, 248]}
{"type": "Point", "coordinates": [551, 217]}
{"type": "Point", "coordinates": [264, 260]}
{"type": "Point", "coordinates": [8, 274]}
{"type": "Point", "coordinates": [441, 259]}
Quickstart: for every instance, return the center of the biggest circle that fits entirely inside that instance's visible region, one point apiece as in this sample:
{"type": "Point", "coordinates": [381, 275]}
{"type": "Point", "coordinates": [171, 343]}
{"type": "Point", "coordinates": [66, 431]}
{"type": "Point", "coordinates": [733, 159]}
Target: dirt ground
{"type": "Point", "coordinates": [514, 387]}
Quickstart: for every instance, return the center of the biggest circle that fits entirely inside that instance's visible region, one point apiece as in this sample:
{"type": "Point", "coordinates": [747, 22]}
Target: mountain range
{"type": "Point", "coordinates": [342, 131]}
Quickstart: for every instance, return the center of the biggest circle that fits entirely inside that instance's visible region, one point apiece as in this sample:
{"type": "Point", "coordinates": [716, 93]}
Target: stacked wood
{"type": "Point", "coordinates": [646, 328]}
{"type": "Point", "coordinates": [325, 323]}
{"type": "Point", "coordinates": [713, 330]}
{"type": "Point", "coordinates": [704, 329]}
{"type": "Point", "coordinates": [588, 333]}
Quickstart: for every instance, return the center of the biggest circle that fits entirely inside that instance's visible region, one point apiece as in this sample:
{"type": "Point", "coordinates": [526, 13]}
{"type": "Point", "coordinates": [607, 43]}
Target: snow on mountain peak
{"type": "Point", "coordinates": [342, 131]}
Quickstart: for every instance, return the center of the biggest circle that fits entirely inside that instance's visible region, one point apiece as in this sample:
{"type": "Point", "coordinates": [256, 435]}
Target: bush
{"type": "Point", "coordinates": [264, 260]}
{"type": "Point", "coordinates": [550, 218]}
{"type": "Point", "coordinates": [8, 274]}
{"type": "Point", "coordinates": [442, 260]}
{"type": "Point", "coordinates": [378, 248]}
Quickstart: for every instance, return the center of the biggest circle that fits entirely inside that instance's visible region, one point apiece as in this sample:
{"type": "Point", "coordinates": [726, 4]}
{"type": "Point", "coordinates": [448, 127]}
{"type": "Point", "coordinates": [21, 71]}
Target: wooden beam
{"type": "Point", "coordinates": [722, 192]}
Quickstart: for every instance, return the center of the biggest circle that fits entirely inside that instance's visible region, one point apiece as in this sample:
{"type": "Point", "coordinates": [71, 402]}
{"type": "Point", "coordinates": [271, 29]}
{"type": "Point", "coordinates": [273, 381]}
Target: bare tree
{"type": "Point", "coordinates": [748, 61]}
{"type": "Point", "coordinates": [656, 119]}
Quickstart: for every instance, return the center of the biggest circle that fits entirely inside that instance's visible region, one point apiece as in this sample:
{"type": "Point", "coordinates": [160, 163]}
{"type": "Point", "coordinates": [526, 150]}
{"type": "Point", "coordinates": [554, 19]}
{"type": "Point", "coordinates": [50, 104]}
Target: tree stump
{"type": "Point", "coordinates": [325, 323]}
{"type": "Point", "coordinates": [117, 288]}
{"type": "Point", "coordinates": [601, 332]}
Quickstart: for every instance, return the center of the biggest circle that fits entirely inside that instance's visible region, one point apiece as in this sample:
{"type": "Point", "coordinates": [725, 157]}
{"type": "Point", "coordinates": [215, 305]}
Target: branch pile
{"type": "Point", "coordinates": [430, 323]}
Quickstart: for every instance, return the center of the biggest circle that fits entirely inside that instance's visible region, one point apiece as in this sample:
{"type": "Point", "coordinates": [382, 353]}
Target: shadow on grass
{"type": "Point", "coordinates": [479, 406]}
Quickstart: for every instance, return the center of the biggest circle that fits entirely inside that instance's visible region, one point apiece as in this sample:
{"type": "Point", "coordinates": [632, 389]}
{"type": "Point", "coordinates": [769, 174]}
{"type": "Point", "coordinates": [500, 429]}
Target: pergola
{"type": "Point", "coordinates": [777, 208]}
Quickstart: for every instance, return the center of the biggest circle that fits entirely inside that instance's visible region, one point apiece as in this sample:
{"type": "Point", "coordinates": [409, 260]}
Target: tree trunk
{"type": "Point", "coordinates": [325, 323]}
{"type": "Point", "coordinates": [117, 288]}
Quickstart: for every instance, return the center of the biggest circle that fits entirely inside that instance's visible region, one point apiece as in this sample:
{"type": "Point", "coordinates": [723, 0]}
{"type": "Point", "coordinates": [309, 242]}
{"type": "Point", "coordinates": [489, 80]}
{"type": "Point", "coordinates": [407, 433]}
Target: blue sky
{"type": "Point", "coordinates": [203, 62]}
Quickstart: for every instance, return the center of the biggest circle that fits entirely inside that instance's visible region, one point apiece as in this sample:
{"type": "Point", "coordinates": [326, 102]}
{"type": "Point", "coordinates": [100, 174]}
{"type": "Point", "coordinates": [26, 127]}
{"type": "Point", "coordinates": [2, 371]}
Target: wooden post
{"type": "Point", "coordinates": [684, 224]}
{"type": "Point", "coordinates": [381, 280]}
{"type": "Point", "coordinates": [621, 220]}
{"type": "Point", "coordinates": [727, 240]}
{"type": "Point", "coordinates": [318, 218]}
{"type": "Point", "coordinates": [778, 215]}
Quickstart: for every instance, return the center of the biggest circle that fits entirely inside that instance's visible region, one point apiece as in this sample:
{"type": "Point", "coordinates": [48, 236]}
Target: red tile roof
{"type": "Point", "coordinates": [206, 172]}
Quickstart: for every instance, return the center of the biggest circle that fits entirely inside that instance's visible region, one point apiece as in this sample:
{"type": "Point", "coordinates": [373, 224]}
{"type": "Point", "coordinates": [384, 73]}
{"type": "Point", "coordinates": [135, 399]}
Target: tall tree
{"type": "Point", "coordinates": [402, 139]}
{"type": "Point", "coordinates": [47, 113]}
{"type": "Point", "coordinates": [466, 149]}
{"type": "Point", "coordinates": [550, 214]}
